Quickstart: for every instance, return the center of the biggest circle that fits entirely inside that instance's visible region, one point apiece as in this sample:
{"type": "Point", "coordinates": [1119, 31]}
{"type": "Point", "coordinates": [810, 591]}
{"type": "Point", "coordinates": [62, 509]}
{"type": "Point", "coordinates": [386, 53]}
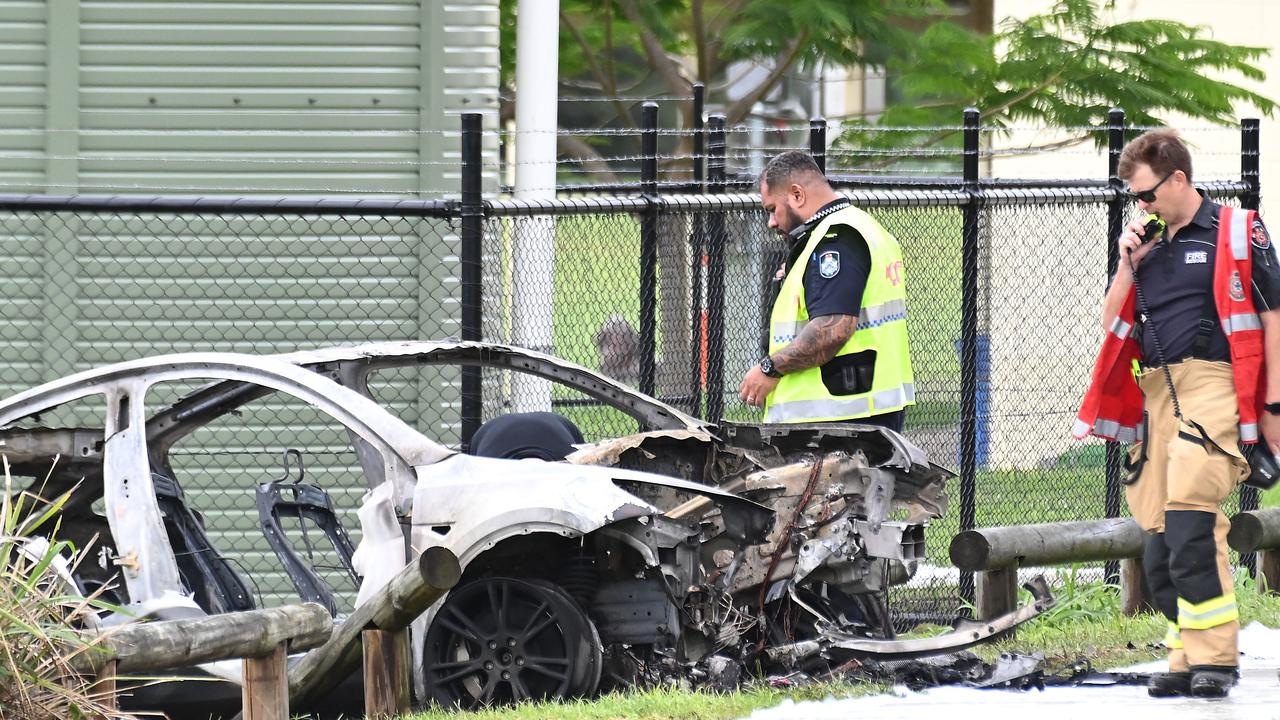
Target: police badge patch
{"type": "Point", "coordinates": [829, 264]}
{"type": "Point", "coordinates": [1237, 287]}
{"type": "Point", "coordinates": [1261, 239]}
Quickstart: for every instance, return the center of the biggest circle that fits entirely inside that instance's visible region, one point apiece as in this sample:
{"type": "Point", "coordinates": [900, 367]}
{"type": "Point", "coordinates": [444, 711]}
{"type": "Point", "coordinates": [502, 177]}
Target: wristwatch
{"type": "Point", "coordinates": [1273, 408]}
{"type": "Point", "coordinates": [766, 367]}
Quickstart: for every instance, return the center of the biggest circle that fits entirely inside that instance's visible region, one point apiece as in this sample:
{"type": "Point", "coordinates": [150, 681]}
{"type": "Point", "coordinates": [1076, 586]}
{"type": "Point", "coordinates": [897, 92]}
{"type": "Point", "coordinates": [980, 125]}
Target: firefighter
{"type": "Point", "coordinates": [838, 330]}
{"type": "Point", "coordinates": [1182, 375]}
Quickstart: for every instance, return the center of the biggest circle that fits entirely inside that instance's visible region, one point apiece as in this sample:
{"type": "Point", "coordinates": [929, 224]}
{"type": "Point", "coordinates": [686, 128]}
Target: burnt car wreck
{"type": "Point", "coordinates": [682, 552]}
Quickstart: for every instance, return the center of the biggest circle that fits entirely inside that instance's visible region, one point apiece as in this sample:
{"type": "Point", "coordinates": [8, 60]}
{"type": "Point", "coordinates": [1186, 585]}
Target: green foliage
{"type": "Point", "coordinates": [1078, 602]}
{"type": "Point", "coordinates": [1065, 68]}
{"type": "Point", "coordinates": [41, 613]}
{"type": "Point", "coordinates": [610, 48]}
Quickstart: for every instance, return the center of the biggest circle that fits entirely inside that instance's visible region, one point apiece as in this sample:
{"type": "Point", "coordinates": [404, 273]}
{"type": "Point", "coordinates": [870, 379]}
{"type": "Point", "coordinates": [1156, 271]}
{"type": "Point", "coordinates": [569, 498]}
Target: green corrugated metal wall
{"type": "Point", "coordinates": [279, 98]}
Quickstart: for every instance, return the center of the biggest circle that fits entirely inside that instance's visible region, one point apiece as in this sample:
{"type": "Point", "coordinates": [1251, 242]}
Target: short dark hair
{"type": "Point", "coordinates": [1162, 150]}
{"type": "Point", "coordinates": [790, 166]}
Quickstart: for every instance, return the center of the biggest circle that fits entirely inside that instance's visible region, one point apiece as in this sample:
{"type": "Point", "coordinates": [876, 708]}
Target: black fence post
{"type": "Point", "coordinates": [969, 339]}
{"type": "Point", "coordinates": [698, 262]}
{"type": "Point", "coordinates": [649, 246]}
{"type": "Point", "coordinates": [1115, 223]}
{"type": "Point", "coordinates": [1250, 160]}
{"type": "Point", "coordinates": [818, 142]}
{"type": "Point", "coordinates": [715, 273]}
{"type": "Point", "coordinates": [471, 211]}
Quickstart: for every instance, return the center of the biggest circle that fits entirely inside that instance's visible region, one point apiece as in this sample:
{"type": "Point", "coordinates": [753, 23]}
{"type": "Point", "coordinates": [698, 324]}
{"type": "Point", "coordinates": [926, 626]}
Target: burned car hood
{"type": "Point", "coordinates": [597, 495]}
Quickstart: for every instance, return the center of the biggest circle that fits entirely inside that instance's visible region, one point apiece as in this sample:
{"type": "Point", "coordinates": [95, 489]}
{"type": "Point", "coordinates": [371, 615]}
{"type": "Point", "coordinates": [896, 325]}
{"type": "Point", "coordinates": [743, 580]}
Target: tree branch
{"type": "Point", "coordinates": [591, 160]}
{"type": "Point", "coordinates": [658, 57]}
{"type": "Point", "coordinates": [610, 91]}
{"type": "Point", "coordinates": [700, 41]}
{"type": "Point", "coordinates": [739, 109]}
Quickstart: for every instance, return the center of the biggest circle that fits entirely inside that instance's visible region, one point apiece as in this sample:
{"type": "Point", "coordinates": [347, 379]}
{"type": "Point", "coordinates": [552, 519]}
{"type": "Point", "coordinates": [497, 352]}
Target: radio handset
{"type": "Point", "coordinates": [1153, 229]}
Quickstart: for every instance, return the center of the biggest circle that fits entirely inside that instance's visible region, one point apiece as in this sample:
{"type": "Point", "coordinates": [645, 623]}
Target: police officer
{"type": "Point", "coordinates": [838, 330]}
{"type": "Point", "coordinates": [1208, 284]}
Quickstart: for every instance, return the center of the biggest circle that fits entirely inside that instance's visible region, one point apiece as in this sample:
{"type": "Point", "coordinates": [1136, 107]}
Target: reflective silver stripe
{"type": "Point", "coordinates": [1121, 329]}
{"type": "Point", "coordinates": [1106, 428]}
{"type": "Point", "coordinates": [801, 410]}
{"type": "Point", "coordinates": [1248, 432]}
{"type": "Point", "coordinates": [893, 398]}
{"type": "Point", "coordinates": [1239, 234]}
{"type": "Point", "coordinates": [875, 315]}
{"type": "Point", "coordinates": [1113, 429]}
{"type": "Point", "coordinates": [791, 328]}
{"type": "Point", "coordinates": [868, 317]}
{"type": "Point", "coordinates": [1242, 321]}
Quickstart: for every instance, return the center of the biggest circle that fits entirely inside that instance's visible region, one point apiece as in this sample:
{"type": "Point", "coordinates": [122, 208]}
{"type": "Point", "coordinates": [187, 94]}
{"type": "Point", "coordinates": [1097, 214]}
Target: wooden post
{"type": "Point", "coordinates": [996, 592]}
{"type": "Point", "coordinates": [386, 673]}
{"type": "Point", "coordinates": [1259, 531]}
{"type": "Point", "coordinates": [1269, 570]}
{"type": "Point", "coordinates": [266, 686]}
{"type": "Point", "coordinates": [1135, 595]}
{"type": "Point", "coordinates": [104, 689]}
{"type": "Point", "coordinates": [406, 596]}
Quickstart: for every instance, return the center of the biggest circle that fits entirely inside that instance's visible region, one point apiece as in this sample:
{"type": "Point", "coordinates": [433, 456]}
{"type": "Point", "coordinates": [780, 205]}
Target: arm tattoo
{"type": "Point", "coordinates": [816, 344]}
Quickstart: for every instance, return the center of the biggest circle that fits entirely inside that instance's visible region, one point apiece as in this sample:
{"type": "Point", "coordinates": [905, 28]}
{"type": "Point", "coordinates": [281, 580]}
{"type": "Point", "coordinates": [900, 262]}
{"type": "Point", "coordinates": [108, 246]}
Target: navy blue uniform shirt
{"type": "Point", "coordinates": [837, 271]}
{"type": "Point", "coordinates": [1177, 277]}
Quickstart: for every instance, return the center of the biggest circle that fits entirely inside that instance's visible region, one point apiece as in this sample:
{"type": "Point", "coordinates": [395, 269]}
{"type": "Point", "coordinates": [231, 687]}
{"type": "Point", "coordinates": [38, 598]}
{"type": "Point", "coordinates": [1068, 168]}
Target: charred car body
{"type": "Point", "coordinates": [684, 550]}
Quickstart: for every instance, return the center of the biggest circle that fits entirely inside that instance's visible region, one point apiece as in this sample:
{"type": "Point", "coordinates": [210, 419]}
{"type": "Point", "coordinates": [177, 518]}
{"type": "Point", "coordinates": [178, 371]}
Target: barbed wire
{"type": "Point", "coordinates": [772, 128]}
{"type": "Point", "coordinates": [621, 98]}
{"type": "Point", "coordinates": [734, 154]}
{"type": "Point", "coordinates": [271, 190]}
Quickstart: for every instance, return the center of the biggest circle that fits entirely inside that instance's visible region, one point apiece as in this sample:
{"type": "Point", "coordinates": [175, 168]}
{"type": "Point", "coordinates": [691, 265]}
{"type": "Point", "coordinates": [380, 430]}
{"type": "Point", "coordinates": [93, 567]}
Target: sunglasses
{"type": "Point", "coordinates": [1148, 195]}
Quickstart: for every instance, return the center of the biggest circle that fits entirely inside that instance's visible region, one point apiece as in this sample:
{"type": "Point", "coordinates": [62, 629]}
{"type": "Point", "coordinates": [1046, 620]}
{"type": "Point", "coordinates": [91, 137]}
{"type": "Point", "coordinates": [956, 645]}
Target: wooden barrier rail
{"type": "Point", "coordinates": [264, 638]}
{"type": "Point", "coordinates": [995, 554]}
{"type": "Point", "coordinates": [261, 637]}
{"type": "Point", "coordinates": [379, 628]}
{"type": "Point", "coordinates": [1258, 531]}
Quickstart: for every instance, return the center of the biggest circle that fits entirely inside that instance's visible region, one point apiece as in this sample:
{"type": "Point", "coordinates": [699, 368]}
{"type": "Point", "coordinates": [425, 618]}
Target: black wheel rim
{"type": "Point", "coordinates": [498, 641]}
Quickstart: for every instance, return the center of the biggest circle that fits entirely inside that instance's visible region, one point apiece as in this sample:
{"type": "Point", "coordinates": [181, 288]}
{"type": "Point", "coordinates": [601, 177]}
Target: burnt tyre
{"type": "Point", "coordinates": [497, 641]}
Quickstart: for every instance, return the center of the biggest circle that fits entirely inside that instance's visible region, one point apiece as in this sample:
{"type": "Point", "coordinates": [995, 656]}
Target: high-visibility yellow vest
{"type": "Point", "coordinates": [882, 326]}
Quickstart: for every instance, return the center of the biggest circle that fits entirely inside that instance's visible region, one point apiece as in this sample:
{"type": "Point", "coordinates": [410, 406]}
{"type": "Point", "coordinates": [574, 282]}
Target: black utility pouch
{"type": "Point", "coordinates": [1264, 470]}
{"type": "Point", "coordinates": [1133, 465]}
{"type": "Point", "coordinates": [850, 374]}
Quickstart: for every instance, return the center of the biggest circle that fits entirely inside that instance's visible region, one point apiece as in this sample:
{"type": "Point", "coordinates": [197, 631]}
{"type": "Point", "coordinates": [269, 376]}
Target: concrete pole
{"type": "Point", "coordinates": [537, 74]}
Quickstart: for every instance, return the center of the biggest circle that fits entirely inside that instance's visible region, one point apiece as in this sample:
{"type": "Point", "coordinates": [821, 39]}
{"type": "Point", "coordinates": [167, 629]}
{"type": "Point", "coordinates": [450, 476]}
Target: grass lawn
{"type": "Point", "coordinates": [665, 704]}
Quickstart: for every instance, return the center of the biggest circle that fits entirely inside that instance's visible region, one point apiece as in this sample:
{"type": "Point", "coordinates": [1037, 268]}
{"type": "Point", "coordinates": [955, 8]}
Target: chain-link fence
{"type": "Point", "coordinates": [669, 293]}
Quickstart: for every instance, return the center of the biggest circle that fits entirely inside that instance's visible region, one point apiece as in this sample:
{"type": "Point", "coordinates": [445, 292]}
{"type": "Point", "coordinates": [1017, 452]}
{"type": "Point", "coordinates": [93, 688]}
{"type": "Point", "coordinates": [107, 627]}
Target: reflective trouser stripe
{"type": "Point", "coordinates": [1239, 234]}
{"type": "Point", "coordinates": [862, 406]}
{"type": "Point", "coordinates": [1241, 321]}
{"type": "Point", "coordinates": [1208, 614]}
{"type": "Point", "coordinates": [1173, 637]}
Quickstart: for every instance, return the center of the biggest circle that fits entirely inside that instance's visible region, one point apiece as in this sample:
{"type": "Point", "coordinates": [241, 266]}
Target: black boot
{"type": "Point", "coordinates": [1212, 682]}
{"type": "Point", "coordinates": [1170, 684]}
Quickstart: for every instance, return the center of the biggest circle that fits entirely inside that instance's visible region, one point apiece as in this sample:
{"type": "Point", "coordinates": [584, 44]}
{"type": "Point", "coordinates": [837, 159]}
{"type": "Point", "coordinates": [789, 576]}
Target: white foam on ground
{"type": "Point", "coordinates": [1257, 697]}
